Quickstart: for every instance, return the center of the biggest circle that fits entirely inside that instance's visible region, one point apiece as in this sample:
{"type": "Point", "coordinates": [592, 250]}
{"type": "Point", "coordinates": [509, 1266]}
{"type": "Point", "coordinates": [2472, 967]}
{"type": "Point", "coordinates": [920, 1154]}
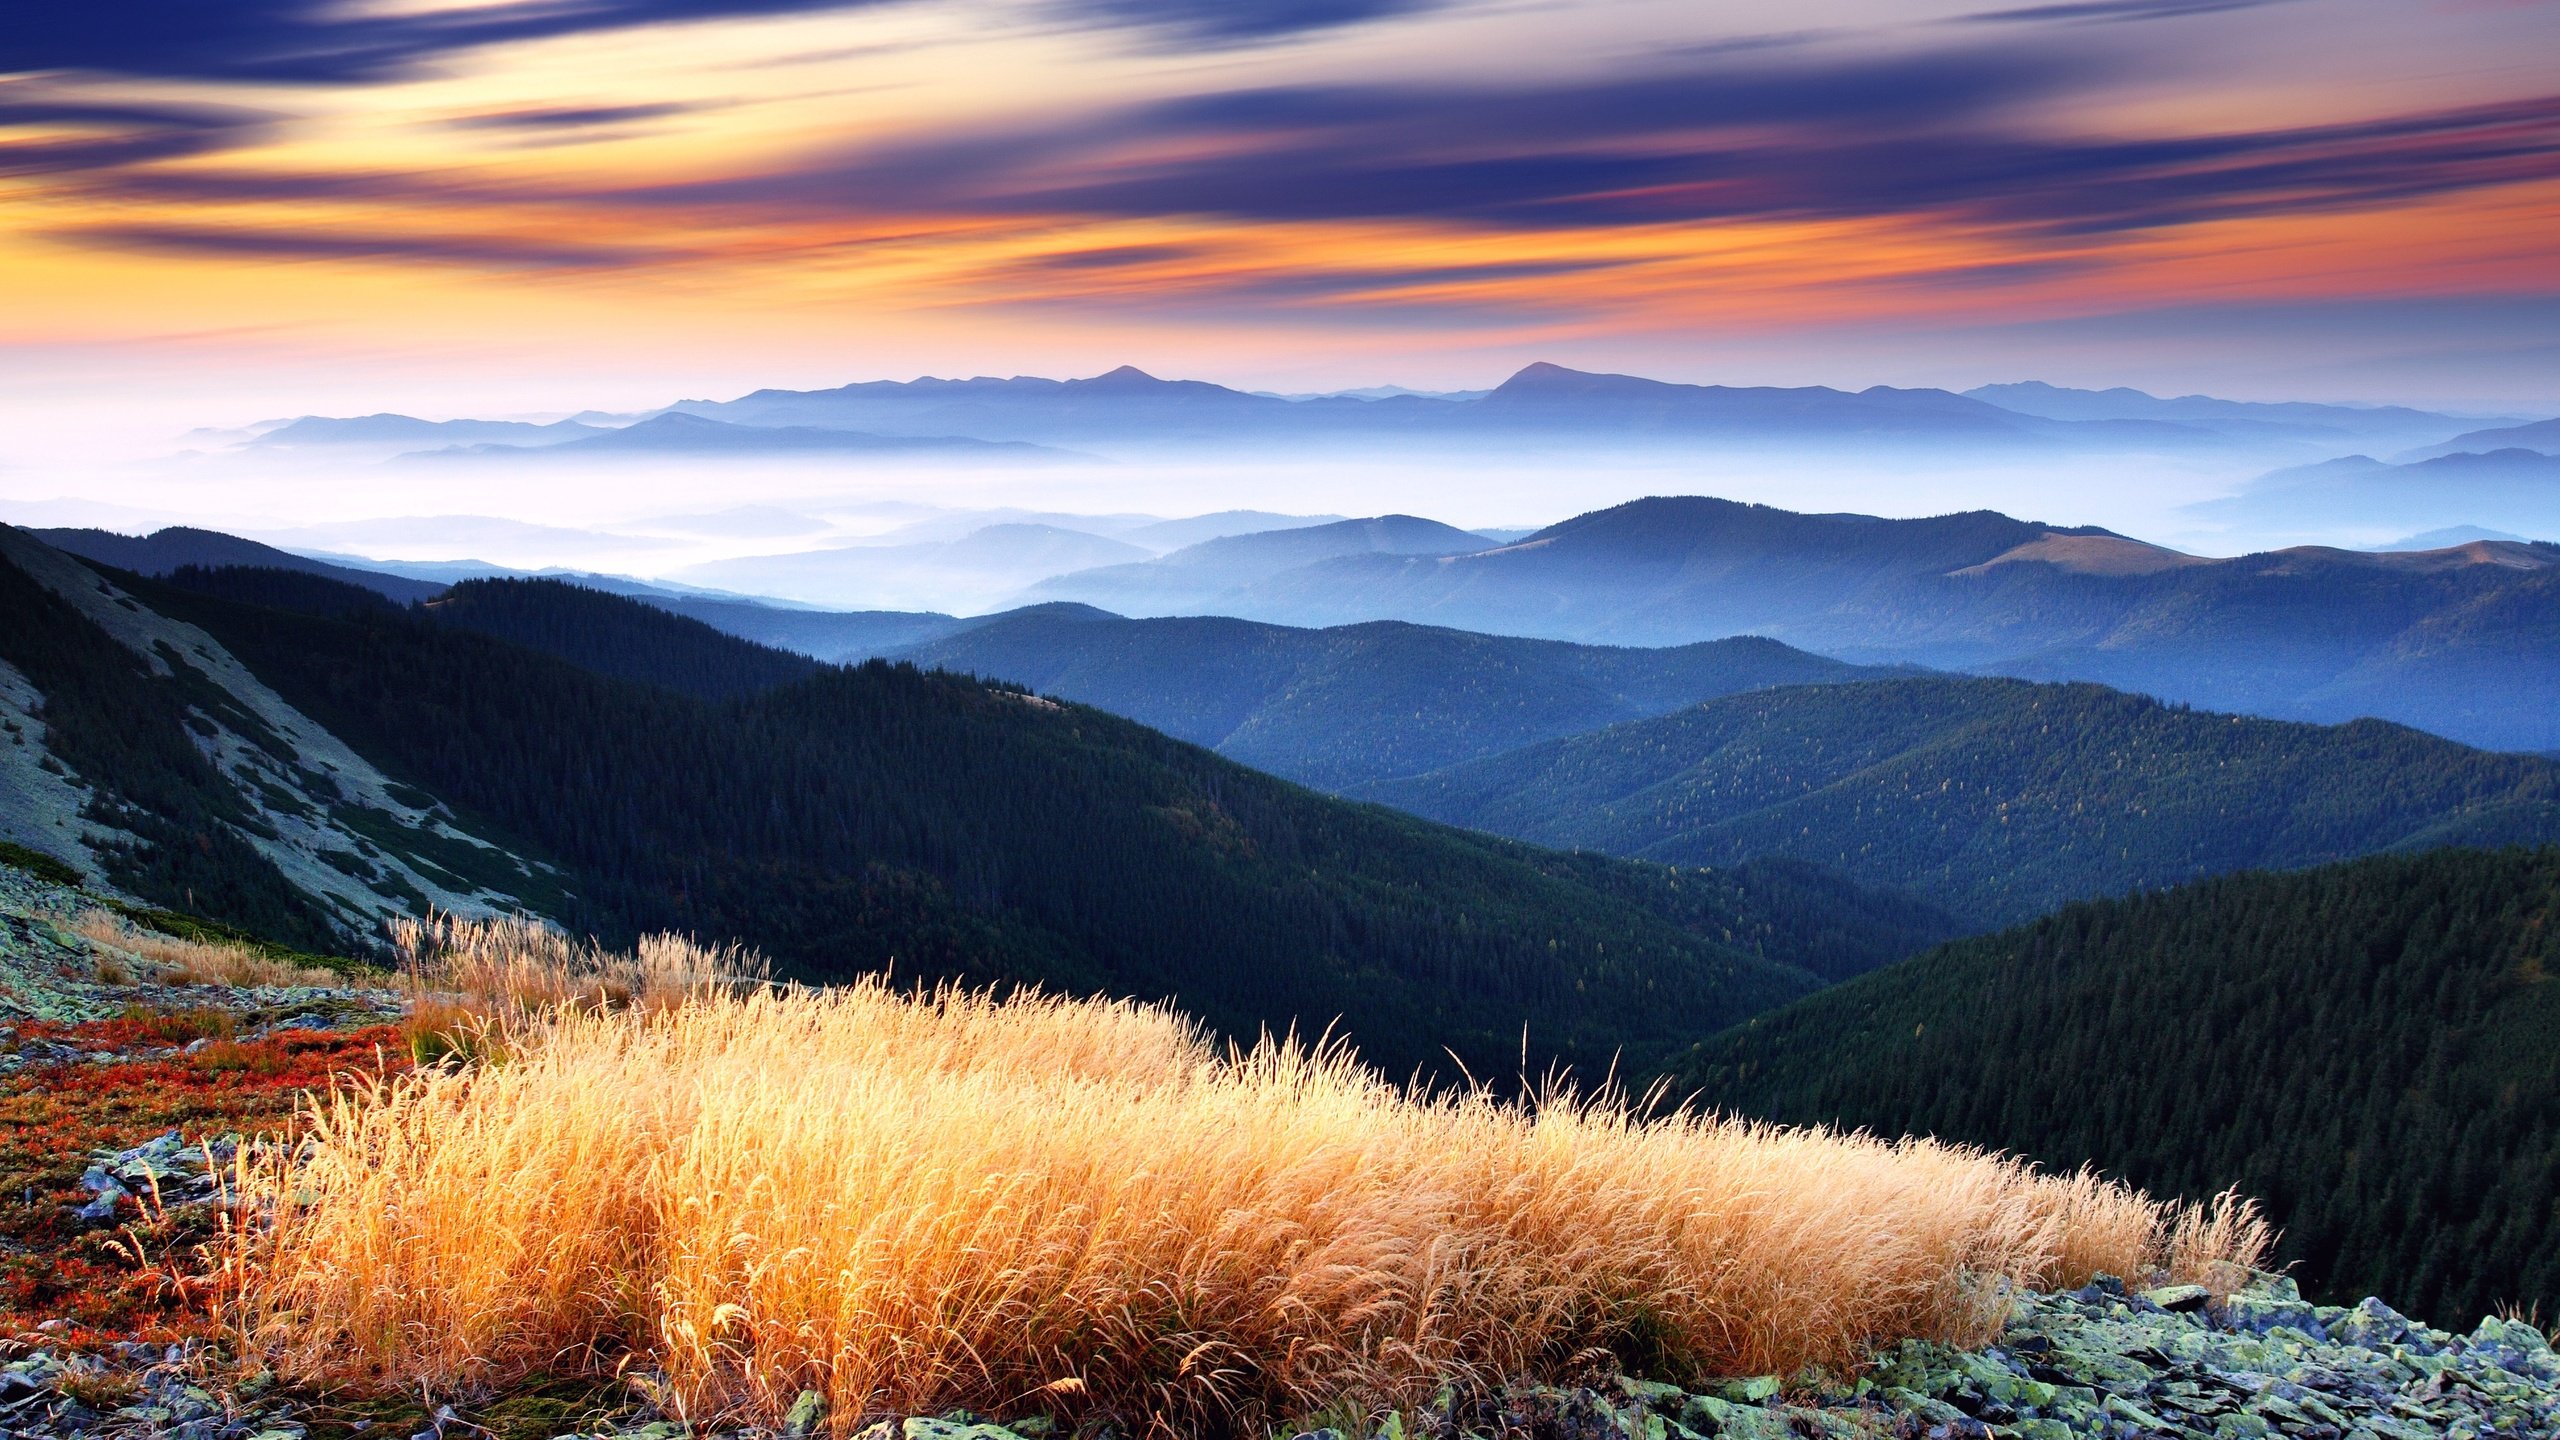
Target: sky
{"type": "Point", "coordinates": [216, 213]}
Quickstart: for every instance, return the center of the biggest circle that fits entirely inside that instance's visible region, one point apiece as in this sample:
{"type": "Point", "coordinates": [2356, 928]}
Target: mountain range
{"type": "Point", "coordinates": [1340, 707]}
{"type": "Point", "coordinates": [627, 770]}
{"type": "Point", "coordinates": [1998, 798]}
{"type": "Point", "coordinates": [2237, 419]}
{"type": "Point", "coordinates": [680, 433]}
{"type": "Point", "coordinates": [2510, 488]}
{"type": "Point", "coordinates": [1541, 405]}
{"type": "Point", "coordinates": [2540, 435]}
{"type": "Point", "coordinates": [2455, 640]}
{"type": "Point", "coordinates": [974, 572]}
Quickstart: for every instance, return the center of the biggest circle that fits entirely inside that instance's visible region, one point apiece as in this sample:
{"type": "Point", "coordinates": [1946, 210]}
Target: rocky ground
{"type": "Point", "coordinates": [2095, 1362]}
{"type": "Point", "coordinates": [50, 974]}
{"type": "Point", "coordinates": [122, 1098]}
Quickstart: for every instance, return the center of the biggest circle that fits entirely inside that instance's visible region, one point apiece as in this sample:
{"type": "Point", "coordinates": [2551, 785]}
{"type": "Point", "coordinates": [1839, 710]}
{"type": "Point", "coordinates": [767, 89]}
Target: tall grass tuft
{"type": "Point", "coordinates": [520, 968]}
{"type": "Point", "coordinates": [179, 960]}
{"type": "Point", "coordinates": [910, 1202]}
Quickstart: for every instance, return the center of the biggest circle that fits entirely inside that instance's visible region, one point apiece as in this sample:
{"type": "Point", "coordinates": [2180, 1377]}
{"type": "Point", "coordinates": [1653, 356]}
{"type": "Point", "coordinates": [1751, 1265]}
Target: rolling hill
{"type": "Point", "coordinates": [970, 573]}
{"type": "Point", "coordinates": [2541, 435]}
{"type": "Point", "coordinates": [165, 550]}
{"type": "Point", "coordinates": [1997, 798]}
{"type": "Point", "coordinates": [1208, 577]}
{"type": "Point", "coordinates": [856, 818]}
{"type": "Point", "coordinates": [2373, 1049]}
{"type": "Point", "coordinates": [1341, 707]}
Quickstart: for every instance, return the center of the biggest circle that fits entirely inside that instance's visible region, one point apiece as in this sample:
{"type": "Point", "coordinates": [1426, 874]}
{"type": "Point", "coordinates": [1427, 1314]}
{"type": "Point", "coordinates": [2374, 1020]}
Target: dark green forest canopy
{"type": "Point", "coordinates": [877, 814]}
{"type": "Point", "coordinates": [1998, 798]}
{"type": "Point", "coordinates": [2373, 1049]}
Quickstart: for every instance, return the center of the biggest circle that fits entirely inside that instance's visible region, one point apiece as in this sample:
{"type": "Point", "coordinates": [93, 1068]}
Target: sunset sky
{"type": "Point", "coordinates": [235, 209]}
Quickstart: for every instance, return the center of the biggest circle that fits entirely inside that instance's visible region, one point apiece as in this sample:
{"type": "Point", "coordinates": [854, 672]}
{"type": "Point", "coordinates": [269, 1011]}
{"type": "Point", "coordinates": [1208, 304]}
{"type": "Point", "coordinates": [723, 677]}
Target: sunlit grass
{"type": "Point", "coordinates": [912, 1202]}
{"type": "Point", "coordinates": [179, 960]}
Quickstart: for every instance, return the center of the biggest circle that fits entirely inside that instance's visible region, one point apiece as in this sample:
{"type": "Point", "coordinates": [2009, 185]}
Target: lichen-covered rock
{"type": "Point", "coordinates": [2097, 1362]}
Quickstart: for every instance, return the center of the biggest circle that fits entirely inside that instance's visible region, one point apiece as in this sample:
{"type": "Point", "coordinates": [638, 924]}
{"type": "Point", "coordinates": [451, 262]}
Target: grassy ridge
{"type": "Point", "coordinates": [2372, 1049]}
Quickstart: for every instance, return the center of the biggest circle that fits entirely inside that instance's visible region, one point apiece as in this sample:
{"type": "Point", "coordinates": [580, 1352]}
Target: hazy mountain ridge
{"type": "Point", "coordinates": [409, 431]}
{"type": "Point", "coordinates": [975, 572]}
{"type": "Point", "coordinates": [2508, 488]}
{"type": "Point", "coordinates": [2311, 633]}
{"type": "Point", "coordinates": [1997, 798]}
{"type": "Point", "coordinates": [1336, 708]}
{"type": "Point", "coordinates": [2539, 435]}
{"type": "Point", "coordinates": [680, 433]}
{"type": "Point", "coordinates": [1203, 578]}
{"type": "Point", "coordinates": [2238, 418]}
{"type": "Point", "coordinates": [1130, 406]}
{"type": "Point", "coordinates": [2457, 639]}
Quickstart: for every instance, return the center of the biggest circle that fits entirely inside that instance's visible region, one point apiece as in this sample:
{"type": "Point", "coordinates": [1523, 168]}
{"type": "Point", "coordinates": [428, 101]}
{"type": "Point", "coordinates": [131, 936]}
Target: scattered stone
{"type": "Point", "coordinates": [2178, 1298]}
{"type": "Point", "coordinates": [2102, 1362]}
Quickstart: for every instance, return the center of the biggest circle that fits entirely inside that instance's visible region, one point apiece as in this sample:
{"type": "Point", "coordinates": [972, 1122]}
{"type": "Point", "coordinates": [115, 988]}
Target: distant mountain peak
{"type": "Point", "coordinates": [1538, 371]}
{"type": "Point", "coordinates": [1130, 380]}
{"type": "Point", "coordinates": [1542, 377]}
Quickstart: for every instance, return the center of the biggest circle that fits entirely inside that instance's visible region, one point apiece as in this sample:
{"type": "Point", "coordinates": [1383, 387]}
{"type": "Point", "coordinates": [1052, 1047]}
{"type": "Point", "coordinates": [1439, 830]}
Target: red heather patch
{"type": "Point", "coordinates": [133, 1280]}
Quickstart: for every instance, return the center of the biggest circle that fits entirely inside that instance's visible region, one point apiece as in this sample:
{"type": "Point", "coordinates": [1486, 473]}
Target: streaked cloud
{"type": "Point", "coordinates": [571, 117]}
{"type": "Point", "coordinates": [2109, 12]}
{"type": "Point", "coordinates": [328, 42]}
{"type": "Point", "coordinates": [497, 252]}
{"type": "Point", "coordinates": [1957, 130]}
{"type": "Point", "coordinates": [46, 136]}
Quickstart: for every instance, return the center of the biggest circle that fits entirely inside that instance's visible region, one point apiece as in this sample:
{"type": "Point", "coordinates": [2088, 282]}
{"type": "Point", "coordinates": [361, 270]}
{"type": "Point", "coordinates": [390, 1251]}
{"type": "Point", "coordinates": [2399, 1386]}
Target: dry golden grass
{"type": "Point", "coordinates": [515, 969]}
{"type": "Point", "coordinates": [912, 1202]}
{"type": "Point", "coordinates": [188, 962]}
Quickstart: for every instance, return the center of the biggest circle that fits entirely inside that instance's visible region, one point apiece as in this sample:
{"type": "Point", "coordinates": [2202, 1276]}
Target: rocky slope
{"type": "Point", "coordinates": [324, 819]}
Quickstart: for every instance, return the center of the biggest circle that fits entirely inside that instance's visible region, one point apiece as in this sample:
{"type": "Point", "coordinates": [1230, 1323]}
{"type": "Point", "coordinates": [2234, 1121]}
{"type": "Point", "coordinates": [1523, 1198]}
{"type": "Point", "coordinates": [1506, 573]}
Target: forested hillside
{"type": "Point", "coordinates": [613, 636]}
{"type": "Point", "coordinates": [1336, 708]}
{"type": "Point", "coordinates": [879, 814]}
{"type": "Point", "coordinates": [137, 750]}
{"type": "Point", "coordinates": [2372, 1049]}
{"type": "Point", "coordinates": [121, 730]}
{"type": "Point", "coordinates": [1997, 798]}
